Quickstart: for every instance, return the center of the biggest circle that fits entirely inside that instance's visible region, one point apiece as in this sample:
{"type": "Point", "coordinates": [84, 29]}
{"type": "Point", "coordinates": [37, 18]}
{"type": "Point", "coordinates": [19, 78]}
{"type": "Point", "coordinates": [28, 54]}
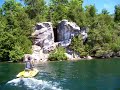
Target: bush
{"type": "Point", "coordinates": [57, 54]}
{"type": "Point", "coordinates": [16, 54]}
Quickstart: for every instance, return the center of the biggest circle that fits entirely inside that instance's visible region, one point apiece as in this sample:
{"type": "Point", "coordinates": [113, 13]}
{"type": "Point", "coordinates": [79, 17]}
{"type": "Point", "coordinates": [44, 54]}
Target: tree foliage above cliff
{"type": "Point", "coordinates": [117, 13]}
{"type": "Point", "coordinates": [36, 10]}
{"type": "Point", "coordinates": [17, 21]}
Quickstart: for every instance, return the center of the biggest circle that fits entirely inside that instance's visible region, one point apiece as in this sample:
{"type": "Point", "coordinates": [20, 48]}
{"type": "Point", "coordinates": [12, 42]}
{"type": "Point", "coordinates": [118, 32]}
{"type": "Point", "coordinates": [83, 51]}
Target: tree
{"type": "Point", "coordinates": [104, 11]}
{"type": "Point", "coordinates": [36, 10]}
{"type": "Point", "coordinates": [90, 12]}
{"type": "Point", "coordinates": [117, 13]}
{"type": "Point", "coordinates": [76, 12]}
{"type": "Point", "coordinates": [77, 45]}
{"type": "Point", "coordinates": [15, 30]}
{"type": "Point", "coordinates": [58, 10]}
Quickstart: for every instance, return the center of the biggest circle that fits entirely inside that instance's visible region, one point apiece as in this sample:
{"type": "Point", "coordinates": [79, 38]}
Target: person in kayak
{"type": "Point", "coordinates": [29, 64]}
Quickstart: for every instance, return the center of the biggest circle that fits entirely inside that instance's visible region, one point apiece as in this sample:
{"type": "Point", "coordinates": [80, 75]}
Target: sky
{"type": "Point", "coordinates": [99, 4]}
{"type": "Point", "coordinates": [103, 4]}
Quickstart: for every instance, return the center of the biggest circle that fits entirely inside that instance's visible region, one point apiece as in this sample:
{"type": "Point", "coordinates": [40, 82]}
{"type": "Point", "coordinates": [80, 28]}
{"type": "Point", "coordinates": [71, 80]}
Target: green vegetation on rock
{"type": "Point", "coordinates": [77, 45]}
{"type": "Point", "coordinates": [58, 54]}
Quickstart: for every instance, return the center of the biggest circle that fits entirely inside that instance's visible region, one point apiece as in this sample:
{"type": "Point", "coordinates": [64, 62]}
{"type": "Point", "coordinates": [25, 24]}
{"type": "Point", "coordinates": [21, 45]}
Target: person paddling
{"type": "Point", "coordinates": [29, 65]}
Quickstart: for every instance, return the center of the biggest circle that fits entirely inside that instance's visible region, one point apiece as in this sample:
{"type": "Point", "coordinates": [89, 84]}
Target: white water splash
{"type": "Point", "coordinates": [34, 84]}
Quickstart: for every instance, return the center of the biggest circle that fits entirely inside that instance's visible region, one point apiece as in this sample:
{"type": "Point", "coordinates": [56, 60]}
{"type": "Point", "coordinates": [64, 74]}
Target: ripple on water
{"type": "Point", "coordinates": [33, 84]}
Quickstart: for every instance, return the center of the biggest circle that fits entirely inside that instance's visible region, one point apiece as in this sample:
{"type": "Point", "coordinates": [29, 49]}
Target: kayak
{"type": "Point", "coordinates": [28, 74]}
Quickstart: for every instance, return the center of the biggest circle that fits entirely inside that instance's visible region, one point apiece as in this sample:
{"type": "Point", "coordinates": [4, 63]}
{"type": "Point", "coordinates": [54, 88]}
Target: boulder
{"type": "Point", "coordinates": [118, 54]}
{"type": "Point", "coordinates": [36, 52]}
{"type": "Point", "coordinates": [69, 57]}
{"type": "Point", "coordinates": [36, 48]}
{"type": "Point", "coordinates": [89, 58]}
{"type": "Point", "coordinates": [83, 32]}
{"type": "Point", "coordinates": [66, 30]}
{"type": "Point", "coordinates": [43, 35]}
{"type": "Point", "coordinates": [43, 41]}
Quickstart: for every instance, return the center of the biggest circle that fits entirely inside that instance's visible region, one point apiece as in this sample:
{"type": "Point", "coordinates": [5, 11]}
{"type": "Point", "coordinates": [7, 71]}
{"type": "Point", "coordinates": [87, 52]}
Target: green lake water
{"type": "Point", "coordinates": [64, 75]}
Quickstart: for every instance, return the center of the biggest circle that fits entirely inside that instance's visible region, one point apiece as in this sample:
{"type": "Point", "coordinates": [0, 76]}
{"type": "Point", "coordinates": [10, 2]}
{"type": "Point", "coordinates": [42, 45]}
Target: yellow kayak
{"type": "Point", "coordinates": [28, 74]}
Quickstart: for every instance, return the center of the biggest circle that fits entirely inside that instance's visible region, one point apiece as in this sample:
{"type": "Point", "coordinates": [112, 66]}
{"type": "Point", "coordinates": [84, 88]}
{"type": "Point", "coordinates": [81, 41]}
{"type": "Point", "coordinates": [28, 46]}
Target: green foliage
{"type": "Point", "coordinates": [90, 11]}
{"type": "Point", "coordinates": [16, 54]}
{"type": "Point", "coordinates": [76, 13]}
{"type": "Point", "coordinates": [115, 46]}
{"type": "Point", "coordinates": [15, 29]}
{"type": "Point", "coordinates": [91, 19]}
{"type": "Point", "coordinates": [104, 11]}
{"type": "Point", "coordinates": [58, 10]}
{"type": "Point", "coordinates": [77, 45]}
{"type": "Point", "coordinates": [36, 9]}
{"type": "Point", "coordinates": [57, 54]}
{"type": "Point", "coordinates": [117, 13]}
{"type": "Point", "coordinates": [103, 36]}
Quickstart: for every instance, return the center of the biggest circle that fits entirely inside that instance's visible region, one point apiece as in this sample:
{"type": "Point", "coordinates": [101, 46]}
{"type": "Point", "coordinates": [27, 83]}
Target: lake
{"type": "Point", "coordinates": [64, 75]}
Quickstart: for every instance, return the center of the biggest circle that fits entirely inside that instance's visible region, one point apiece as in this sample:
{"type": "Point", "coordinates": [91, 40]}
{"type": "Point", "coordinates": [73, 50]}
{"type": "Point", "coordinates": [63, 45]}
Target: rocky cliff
{"type": "Point", "coordinates": [43, 41]}
{"type": "Point", "coordinates": [66, 30]}
{"type": "Point", "coordinates": [43, 37]}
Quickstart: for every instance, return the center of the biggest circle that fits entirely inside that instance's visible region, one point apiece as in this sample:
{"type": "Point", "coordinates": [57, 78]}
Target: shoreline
{"type": "Point", "coordinates": [75, 59]}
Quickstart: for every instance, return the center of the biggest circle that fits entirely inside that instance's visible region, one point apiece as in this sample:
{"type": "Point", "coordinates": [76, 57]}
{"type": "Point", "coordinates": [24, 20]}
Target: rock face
{"type": "Point", "coordinates": [66, 30]}
{"type": "Point", "coordinates": [43, 40]}
{"type": "Point", "coordinates": [89, 58]}
{"type": "Point", "coordinates": [44, 36]}
{"type": "Point", "coordinates": [84, 34]}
